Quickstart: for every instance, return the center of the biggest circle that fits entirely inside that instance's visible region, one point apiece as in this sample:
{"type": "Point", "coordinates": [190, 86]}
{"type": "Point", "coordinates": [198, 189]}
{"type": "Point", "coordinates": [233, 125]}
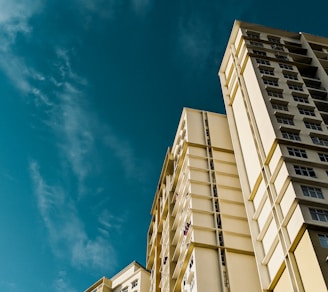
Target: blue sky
{"type": "Point", "coordinates": [92, 92]}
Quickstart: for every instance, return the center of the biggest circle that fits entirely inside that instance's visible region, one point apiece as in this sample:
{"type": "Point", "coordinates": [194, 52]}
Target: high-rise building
{"type": "Point", "coordinates": [199, 239]}
{"type": "Point", "coordinates": [275, 86]}
{"type": "Point", "coordinates": [242, 199]}
{"type": "Point", "coordinates": [133, 278]}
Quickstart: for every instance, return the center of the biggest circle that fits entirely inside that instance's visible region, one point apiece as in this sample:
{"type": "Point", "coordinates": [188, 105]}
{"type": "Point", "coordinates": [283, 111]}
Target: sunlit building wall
{"type": "Point", "coordinates": [275, 86]}
{"type": "Point", "coordinates": [199, 239]}
{"type": "Point", "coordinates": [133, 278]}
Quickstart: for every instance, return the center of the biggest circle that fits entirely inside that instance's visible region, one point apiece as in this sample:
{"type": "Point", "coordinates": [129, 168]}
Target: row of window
{"type": "Point", "coordinates": [291, 135]}
{"type": "Point", "coordinates": [290, 121]}
{"type": "Point", "coordinates": [298, 152]}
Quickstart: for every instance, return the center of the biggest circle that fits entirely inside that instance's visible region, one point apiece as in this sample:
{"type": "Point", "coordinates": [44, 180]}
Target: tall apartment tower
{"type": "Point", "coordinates": [275, 86]}
{"type": "Point", "coordinates": [199, 239]}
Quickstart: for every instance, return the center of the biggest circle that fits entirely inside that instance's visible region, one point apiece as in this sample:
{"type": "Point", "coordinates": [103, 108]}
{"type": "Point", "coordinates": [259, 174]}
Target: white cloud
{"type": "Point", "coordinates": [67, 234]}
{"type": "Point", "coordinates": [61, 283]}
{"type": "Point", "coordinates": [14, 19]}
{"type": "Point", "coordinates": [194, 40]}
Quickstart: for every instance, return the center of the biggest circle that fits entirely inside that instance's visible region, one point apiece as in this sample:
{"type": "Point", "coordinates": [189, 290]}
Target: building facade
{"type": "Point", "coordinates": [199, 238]}
{"type": "Point", "coordinates": [133, 278]}
{"type": "Point", "coordinates": [275, 86]}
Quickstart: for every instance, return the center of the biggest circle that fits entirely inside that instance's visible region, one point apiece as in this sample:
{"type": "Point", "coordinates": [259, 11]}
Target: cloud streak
{"type": "Point", "coordinates": [66, 230]}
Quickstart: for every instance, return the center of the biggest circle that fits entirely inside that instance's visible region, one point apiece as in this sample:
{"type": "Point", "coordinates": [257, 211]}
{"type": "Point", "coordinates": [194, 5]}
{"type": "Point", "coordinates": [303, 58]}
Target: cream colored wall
{"type": "Point", "coordinates": [308, 265]}
{"type": "Point", "coordinates": [207, 270]}
{"type": "Point", "coordinates": [284, 283]}
{"type": "Point", "coordinates": [245, 135]}
{"type": "Point", "coordinates": [242, 273]}
{"type": "Point", "coordinates": [260, 112]}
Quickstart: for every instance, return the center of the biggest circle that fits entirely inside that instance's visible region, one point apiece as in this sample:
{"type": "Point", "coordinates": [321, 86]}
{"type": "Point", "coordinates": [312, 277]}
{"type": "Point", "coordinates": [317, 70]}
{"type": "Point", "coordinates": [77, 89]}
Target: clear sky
{"type": "Point", "coordinates": [91, 95]}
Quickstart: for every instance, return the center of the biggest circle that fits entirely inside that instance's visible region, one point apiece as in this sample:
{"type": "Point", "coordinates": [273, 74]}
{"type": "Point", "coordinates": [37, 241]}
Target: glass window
{"type": "Point", "coordinates": [319, 215]}
{"type": "Point", "coordinates": [285, 120]}
{"type": "Point", "coordinates": [274, 93]}
{"type": "Point", "coordinates": [279, 106]}
{"type": "Point", "coordinates": [266, 71]}
{"type": "Point", "coordinates": [313, 126]}
{"type": "Point", "coordinates": [306, 111]}
{"type": "Point", "coordinates": [323, 238]}
{"type": "Point", "coordinates": [270, 82]}
{"type": "Point", "coordinates": [286, 66]}
{"type": "Point", "coordinates": [295, 87]}
{"type": "Point", "coordinates": [297, 152]}
{"type": "Point", "coordinates": [300, 98]}
{"type": "Point", "coordinates": [290, 76]}
{"type": "Point", "coordinates": [323, 157]}
{"type": "Point", "coordinates": [260, 53]}
{"type": "Point", "coordinates": [305, 171]}
{"type": "Point", "coordinates": [256, 44]}
{"type": "Point", "coordinates": [313, 192]}
{"type": "Point", "coordinates": [319, 140]}
{"type": "Point", "coordinates": [263, 62]}
{"type": "Point", "coordinates": [291, 135]}
{"type": "Point", "coordinates": [253, 35]}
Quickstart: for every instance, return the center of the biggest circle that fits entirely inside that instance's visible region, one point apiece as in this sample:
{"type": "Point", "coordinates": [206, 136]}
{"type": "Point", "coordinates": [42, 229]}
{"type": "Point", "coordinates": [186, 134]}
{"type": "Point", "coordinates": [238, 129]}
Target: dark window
{"type": "Point", "coordinates": [263, 62]}
{"type": "Point", "coordinates": [297, 152]}
{"type": "Point", "coordinates": [286, 66]}
{"type": "Point", "coordinates": [291, 135]}
{"type": "Point", "coordinates": [300, 98]}
{"type": "Point", "coordinates": [323, 157]}
{"type": "Point", "coordinates": [305, 171]}
{"type": "Point", "coordinates": [266, 71]}
{"type": "Point", "coordinates": [323, 238]}
{"type": "Point", "coordinates": [319, 141]}
{"type": "Point", "coordinates": [279, 106]}
{"type": "Point", "coordinates": [285, 120]}
{"type": "Point", "coordinates": [313, 126]}
{"type": "Point", "coordinates": [270, 82]}
{"type": "Point", "coordinates": [313, 192]}
{"type": "Point", "coordinates": [306, 111]}
{"type": "Point", "coordinates": [274, 93]}
{"type": "Point", "coordinates": [295, 87]}
{"type": "Point", "coordinates": [319, 215]}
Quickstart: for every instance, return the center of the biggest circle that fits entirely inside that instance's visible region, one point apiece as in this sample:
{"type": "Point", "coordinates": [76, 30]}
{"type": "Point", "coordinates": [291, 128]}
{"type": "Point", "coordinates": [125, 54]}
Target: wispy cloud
{"type": "Point", "coordinates": [62, 283]}
{"type": "Point", "coordinates": [66, 230]}
{"type": "Point", "coordinates": [194, 40]}
{"type": "Point", "coordinates": [14, 19]}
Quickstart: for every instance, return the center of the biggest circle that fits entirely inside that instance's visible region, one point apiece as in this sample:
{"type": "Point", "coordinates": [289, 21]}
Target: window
{"type": "Point", "coordinates": [263, 62]}
{"type": "Point", "coordinates": [125, 289]}
{"type": "Point", "coordinates": [253, 35]}
{"type": "Point", "coordinates": [260, 53]}
{"type": "Point", "coordinates": [274, 93]}
{"type": "Point", "coordinates": [319, 215]}
{"type": "Point", "coordinates": [313, 192]}
{"type": "Point", "coordinates": [279, 106]}
{"type": "Point", "coordinates": [313, 126]}
{"type": "Point", "coordinates": [291, 135]}
{"type": "Point", "coordinates": [285, 120]}
{"type": "Point", "coordinates": [277, 47]}
{"type": "Point", "coordinates": [274, 39]}
{"type": "Point", "coordinates": [323, 238]}
{"type": "Point", "coordinates": [295, 87]}
{"type": "Point", "coordinates": [323, 157]}
{"type": "Point", "coordinates": [300, 98]}
{"type": "Point", "coordinates": [305, 171]}
{"type": "Point", "coordinates": [297, 152]}
{"type": "Point", "coordinates": [134, 283]}
{"type": "Point", "coordinates": [286, 66]}
{"type": "Point", "coordinates": [290, 76]}
{"type": "Point", "coordinates": [281, 57]}
{"type": "Point", "coordinates": [270, 82]}
{"type": "Point", "coordinates": [306, 111]}
{"type": "Point", "coordinates": [319, 140]}
{"type": "Point", "coordinates": [266, 71]}
{"type": "Point", "coordinates": [256, 44]}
